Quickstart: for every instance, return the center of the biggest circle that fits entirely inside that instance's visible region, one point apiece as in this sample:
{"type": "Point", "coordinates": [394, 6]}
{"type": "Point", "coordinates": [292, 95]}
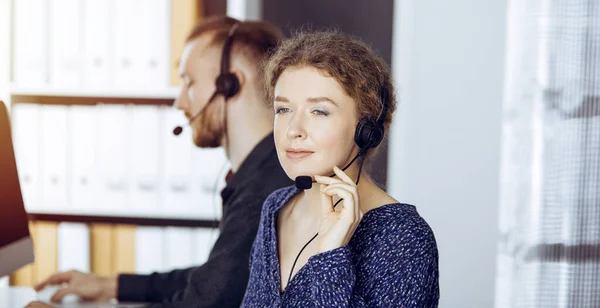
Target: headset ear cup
{"type": "Point", "coordinates": [376, 136]}
{"type": "Point", "coordinates": [362, 134]}
{"type": "Point", "coordinates": [367, 135]}
{"type": "Point", "coordinates": [228, 85]}
{"type": "Point", "coordinates": [357, 133]}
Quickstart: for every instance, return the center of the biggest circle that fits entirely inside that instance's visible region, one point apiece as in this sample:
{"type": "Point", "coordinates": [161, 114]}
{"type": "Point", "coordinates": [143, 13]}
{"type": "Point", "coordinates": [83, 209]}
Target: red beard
{"type": "Point", "coordinates": [209, 127]}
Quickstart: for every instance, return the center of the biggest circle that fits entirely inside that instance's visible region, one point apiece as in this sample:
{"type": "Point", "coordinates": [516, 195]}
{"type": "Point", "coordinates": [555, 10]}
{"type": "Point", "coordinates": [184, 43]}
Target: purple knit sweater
{"type": "Point", "coordinates": [391, 261]}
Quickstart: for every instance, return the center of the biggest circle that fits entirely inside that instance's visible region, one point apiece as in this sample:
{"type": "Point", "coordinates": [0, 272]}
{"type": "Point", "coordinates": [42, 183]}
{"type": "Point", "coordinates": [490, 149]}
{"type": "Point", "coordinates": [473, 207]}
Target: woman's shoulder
{"type": "Point", "coordinates": [397, 226]}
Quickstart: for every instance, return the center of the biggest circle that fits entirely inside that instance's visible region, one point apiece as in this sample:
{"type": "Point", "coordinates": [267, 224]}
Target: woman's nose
{"type": "Point", "coordinates": [296, 127]}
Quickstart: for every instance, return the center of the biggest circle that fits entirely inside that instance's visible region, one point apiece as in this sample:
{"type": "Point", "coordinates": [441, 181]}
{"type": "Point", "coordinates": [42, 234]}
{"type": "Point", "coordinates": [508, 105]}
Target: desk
{"type": "Point", "coordinates": [19, 297]}
{"type": "Point", "coordinates": [16, 297]}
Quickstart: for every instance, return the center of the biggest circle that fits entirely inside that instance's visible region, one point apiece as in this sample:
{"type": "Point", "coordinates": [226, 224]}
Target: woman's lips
{"type": "Point", "coordinates": [297, 154]}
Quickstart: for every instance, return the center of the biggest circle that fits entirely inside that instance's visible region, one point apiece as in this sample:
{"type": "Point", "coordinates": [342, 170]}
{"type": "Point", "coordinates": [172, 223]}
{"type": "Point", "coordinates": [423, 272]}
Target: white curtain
{"type": "Point", "coordinates": [548, 253]}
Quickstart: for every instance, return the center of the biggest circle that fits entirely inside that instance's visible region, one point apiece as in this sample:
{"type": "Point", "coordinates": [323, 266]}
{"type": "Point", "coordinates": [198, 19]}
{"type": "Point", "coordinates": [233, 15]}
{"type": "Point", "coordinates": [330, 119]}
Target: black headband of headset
{"type": "Point", "coordinates": [227, 48]}
{"type": "Point", "coordinates": [384, 96]}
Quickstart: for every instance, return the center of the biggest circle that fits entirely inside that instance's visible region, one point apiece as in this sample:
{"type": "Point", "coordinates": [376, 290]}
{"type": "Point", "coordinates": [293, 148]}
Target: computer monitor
{"type": "Point", "coordinates": [16, 247]}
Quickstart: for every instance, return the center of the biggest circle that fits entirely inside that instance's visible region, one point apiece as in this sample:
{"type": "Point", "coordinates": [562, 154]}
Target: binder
{"type": "Point", "coordinates": [98, 44]}
{"type": "Point", "coordinates": [124, 249]}
{"type": "Point", "coordinates": [142, 44]}
{"type": "Point", "coordinates": [208, 179]}
{"type": "Point", "coordinates": [22, 277]}
{"type": "Point", "coordinates": [149, 250]}
{"type": "Point", "coordinates": [25, 122]}
{"type": "Point", "coordinates": [155, 64]}
{"type": "Point", "coordinates": [73, 247]}
{"type": "Point", "coordinates": [45, 238]}
{"type": "Point", "coordinates": [65, 27]}
{"type": "Point", "coordinates": [176, 167]}
{"type": "Point", "coordinates": [30, 43]}
{"type": "Point", "coordinates": [145, 159]}
{"type": "Point", "coordinates": [114, 166]}
{"type": "Point", "coordinates": [101, 249]}
{"type": "Point", "coordinates": [183, 15]}
{"type": "Point", "coordinates": [129, 33]}
{"type": "Point", "coordinates": [83, 139]}
{"type": "Point", "coordinates": [54, 157]}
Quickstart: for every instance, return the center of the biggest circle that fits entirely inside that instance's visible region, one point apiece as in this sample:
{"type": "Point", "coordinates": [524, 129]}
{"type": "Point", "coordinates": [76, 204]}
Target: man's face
{"type": "Point", "coordinates": [199, 68]}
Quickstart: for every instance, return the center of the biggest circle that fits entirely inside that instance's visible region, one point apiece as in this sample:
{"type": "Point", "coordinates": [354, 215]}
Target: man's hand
{"type": "Point", "coordinates": [88, 287]}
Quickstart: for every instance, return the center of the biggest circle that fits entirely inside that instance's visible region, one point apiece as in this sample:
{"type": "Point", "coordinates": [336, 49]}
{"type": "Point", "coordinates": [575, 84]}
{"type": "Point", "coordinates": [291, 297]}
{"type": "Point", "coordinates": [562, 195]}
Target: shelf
{"type": "Point", "coordinates": [183, 213]}
{"type": "Point", "coordinates": [92, 96]}
{"type": "Point", "coordinates": [146, 220]}
{"type": "Point", "coordinates": [165, 93]}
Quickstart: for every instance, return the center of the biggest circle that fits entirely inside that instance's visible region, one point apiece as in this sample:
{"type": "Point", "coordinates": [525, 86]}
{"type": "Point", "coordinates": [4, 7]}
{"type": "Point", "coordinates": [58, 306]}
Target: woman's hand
{"type": "Point", "coordinates": [337, 228]}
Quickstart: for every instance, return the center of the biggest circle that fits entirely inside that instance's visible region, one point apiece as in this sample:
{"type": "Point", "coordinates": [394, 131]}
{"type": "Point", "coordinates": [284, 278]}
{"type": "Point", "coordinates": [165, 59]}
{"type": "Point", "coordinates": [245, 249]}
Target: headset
{"type": "Point", "coordinates": [227, 83]}
{"type": "Point", "coordinates": [369, 133]}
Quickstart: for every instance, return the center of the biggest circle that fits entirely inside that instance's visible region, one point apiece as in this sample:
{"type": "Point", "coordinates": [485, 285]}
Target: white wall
{"type": "Point", "coordinates": [448, 61]}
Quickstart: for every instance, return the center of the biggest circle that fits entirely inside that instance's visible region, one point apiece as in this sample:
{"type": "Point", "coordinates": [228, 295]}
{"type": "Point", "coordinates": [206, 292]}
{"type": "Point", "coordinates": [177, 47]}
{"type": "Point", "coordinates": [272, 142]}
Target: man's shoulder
{"type": "Point", "coordinates": [263, 195]}
{"type": "Point", "coordinates": [271, 176]}
{"type": "Point", "coordinates": [276, 198]}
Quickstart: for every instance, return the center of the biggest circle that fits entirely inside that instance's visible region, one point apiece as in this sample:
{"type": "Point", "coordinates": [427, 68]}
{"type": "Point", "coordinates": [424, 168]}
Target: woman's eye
{"type": "Point", "coordinates": [321, 112]}
{"type": "Point", "coordinates": [282, 110]}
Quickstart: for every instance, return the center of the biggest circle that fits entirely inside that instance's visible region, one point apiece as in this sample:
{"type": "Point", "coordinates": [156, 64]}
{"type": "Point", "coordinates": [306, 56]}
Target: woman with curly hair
{"type": "Point", "coordinates": [342, 242]}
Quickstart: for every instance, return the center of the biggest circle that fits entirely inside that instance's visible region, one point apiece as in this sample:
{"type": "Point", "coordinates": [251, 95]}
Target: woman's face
{"type": "Point", "coordinates": [315, 122]}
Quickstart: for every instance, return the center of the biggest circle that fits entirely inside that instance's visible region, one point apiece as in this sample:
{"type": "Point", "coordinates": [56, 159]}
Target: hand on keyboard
{"type": "Point", "coordinates": [87, 287]}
